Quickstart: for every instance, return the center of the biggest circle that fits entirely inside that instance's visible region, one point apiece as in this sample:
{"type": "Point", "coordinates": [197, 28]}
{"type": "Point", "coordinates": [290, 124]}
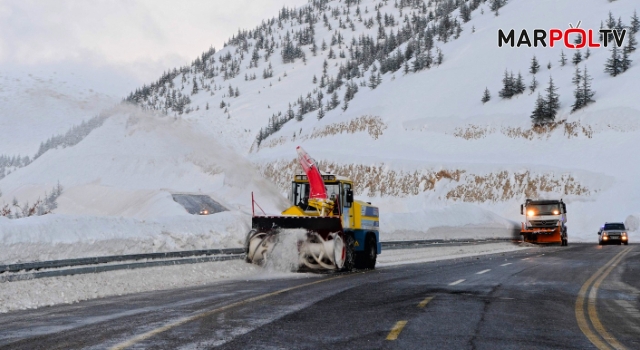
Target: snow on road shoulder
{"type": "Point", "coordinates": [433, 253]}
{"type": "Point", "coordinates": [32, 294]}
{"type": "Point", "coordinates": [37, 293]}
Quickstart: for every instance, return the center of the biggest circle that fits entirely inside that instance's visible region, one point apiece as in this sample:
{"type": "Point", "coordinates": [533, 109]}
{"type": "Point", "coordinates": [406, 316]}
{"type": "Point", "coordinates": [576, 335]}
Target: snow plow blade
{"type": "Point", "coordinates": [322, 248]}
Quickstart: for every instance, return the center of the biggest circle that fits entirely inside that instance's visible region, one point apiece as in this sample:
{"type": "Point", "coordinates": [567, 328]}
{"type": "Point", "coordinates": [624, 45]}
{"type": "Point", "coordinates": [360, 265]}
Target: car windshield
{"type": "Point", "coordinates": [617, 226]}
{"type": "Point", "coordinates": [544, 209]}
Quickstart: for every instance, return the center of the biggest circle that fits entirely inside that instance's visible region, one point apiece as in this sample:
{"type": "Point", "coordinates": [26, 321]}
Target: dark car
{"type": "Point", "coordinates": [613, 232]}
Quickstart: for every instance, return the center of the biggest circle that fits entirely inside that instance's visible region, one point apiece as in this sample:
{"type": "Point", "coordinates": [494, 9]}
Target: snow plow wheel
{"type": "Point", "coordinates": [367, 259]}
{"type": "Point", "coordinates": [349, 258]}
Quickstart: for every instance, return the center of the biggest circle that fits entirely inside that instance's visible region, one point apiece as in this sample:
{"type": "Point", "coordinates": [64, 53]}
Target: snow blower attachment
{"type": "Point", "coordinates": [340, 233]}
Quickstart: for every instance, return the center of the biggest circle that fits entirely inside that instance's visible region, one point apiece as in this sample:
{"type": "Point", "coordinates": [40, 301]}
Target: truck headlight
{"type": "Point", "coordinates": [531, 213]}
{"type": "Point", "coordinates": [555, 212]}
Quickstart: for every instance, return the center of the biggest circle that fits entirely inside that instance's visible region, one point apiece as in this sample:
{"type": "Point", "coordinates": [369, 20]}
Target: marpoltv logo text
{"type": "Point", "coordinates": [539, 37]}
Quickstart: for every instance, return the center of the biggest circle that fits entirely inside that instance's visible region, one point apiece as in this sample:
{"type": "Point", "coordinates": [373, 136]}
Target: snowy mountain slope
{"type": "Point", "coordinates": [430, 120]}
{"type": "Point", "coordinates": [118, 183]}
{"type": "Point", "coordinates": [419, 144]}
{"type": "Point", "coordinates": [35, 105]}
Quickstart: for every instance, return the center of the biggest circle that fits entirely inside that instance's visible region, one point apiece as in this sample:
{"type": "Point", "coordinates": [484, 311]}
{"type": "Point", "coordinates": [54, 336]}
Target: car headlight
{"type": "Point", "coordinates": [624, 233]}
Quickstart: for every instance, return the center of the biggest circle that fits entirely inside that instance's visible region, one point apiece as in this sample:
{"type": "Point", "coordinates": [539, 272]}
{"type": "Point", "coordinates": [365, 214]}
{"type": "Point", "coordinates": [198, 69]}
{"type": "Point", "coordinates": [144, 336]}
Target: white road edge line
{"type": "Point", "coordinates": [456, 282]}
{"type": "Point", "coordinates": [506, 264]}
{"type": "Point", "coordinates": [483, 271]}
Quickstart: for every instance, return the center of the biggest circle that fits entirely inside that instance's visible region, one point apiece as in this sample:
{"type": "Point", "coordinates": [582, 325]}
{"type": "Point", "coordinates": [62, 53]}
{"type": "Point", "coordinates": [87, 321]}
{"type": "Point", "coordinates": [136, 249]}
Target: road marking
{"type": "Point", "coordinates": [456, 282]}
{"type": "Point", "coordinates": [507, 264]}
{"type": "Point", "coordinates": [483, 271]}
{"type": "Point", "coordinates": [579, 308]}
{"type": "Point", "coordinates": [526, 259]}
{"type": "Point", "coordinates": [425, 302]}
{"type": "Point", "coordinates": [151, 333]}
{"type": "Point", "coordinates": [591, 306]}
{"type": "Point", "coordinates": [395, 331]}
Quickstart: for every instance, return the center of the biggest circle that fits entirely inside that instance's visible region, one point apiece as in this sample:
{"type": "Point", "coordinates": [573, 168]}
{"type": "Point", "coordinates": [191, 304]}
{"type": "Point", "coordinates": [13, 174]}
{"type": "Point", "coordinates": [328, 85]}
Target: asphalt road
{"type": "Point", "coordinates": [582, 296]}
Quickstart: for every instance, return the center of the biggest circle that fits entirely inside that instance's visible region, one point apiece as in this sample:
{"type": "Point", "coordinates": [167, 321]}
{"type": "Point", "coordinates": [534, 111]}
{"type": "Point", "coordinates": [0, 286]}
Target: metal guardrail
{"type": "Point", "coordinates": [38, 265]}
{"type": "Point", "coordinates": [67, 267]}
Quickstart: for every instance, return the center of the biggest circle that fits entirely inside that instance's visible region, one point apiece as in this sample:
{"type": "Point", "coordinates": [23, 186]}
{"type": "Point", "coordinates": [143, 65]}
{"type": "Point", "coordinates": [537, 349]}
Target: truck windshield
{"type": "Point", "coordinates": [544, 209]}
{"type": "Point", "coordinates": [614, 227]}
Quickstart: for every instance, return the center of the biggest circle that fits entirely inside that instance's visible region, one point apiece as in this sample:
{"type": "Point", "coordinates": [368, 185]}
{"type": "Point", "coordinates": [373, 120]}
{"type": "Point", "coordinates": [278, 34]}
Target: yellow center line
{"type": "Point", "coordinates": [395, 331]}
{"type": "Point", "coordinates": [591, 305]}
{"type": "Point", "coordinates": [425, 302]}
{"type": "Point", "coordinates": [184, 320]}
{"type": "Point", "coordinates": [579, 307]}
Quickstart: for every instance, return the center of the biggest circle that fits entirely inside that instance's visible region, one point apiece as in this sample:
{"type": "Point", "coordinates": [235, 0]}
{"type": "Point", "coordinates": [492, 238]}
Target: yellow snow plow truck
{"type": "Point", "coordinates": [341, 233]}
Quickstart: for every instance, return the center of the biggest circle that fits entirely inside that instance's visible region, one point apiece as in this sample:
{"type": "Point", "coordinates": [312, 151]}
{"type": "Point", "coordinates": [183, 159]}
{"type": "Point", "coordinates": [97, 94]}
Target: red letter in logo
{"type": "Point", "coordinates": [583, 38]}
{"type": "Point", "coordinates": [554, 35]}
{"type": "Point", "coordinates": [591, 43]}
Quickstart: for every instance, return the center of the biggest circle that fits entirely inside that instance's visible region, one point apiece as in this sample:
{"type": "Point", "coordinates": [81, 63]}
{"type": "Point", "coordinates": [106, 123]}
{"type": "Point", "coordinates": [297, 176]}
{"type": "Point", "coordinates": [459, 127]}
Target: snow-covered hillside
{"type": "Point", "coordinates": [385, 92]}
{"type": "Point", "coordinates": [36, 105]}
{"type": "Point", "coordinates": [421, 141]}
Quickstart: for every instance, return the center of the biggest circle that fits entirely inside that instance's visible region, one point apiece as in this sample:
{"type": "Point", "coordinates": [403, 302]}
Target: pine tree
{"type": "Point", "coordinates": [195, 87]}
{"type": "Point", "coordinates": [631, 44]}
{"type": "Point", "coordinates": [563, 59]}
{"type": "Point", "coordinates": [614, 64]}
{"type": "Point", "coordinates": [577, 93]}
{"type": "Point", "coordinates": [321, 112]}
{"type": "Point", "coordinates": [538, 114]}
{"type": "Point", "coordinates": [534, 84]}
{"type": "Point", "coordinates": [373, 81]}
{"type": "Point", "coordinates": [535, 66]}
{"type": "Point", "coordinates": [577, 58]}
{"type": "Point", "coordinates": [587, 93]}
{"type": "Point", "coordinates": [486, 96]}
{"type": "Point", "coordinates": [635, 23]}
{"type": "Point", "coordinates": [549, 65]}
{"type": "Point", "coordinates": [587, 54]}
{"type": "Point", "coordinates": [625, 61]}
{"type": "Point", "coordinates": [552, 101]}
{"type": "Point", "coordinates": [345, 106]}
{"type": "Point", "coordinates": [334, 100]}
{"type": "Point", "coordinates": [509, 86]}
{"type": "Point", "coordinates": [519, 85]}
{"type": "Point", "coordinates": [465, 12]}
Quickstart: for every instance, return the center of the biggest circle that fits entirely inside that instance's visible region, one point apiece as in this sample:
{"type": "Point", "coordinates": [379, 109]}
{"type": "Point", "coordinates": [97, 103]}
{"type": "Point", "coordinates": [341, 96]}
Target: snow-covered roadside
{"type": "Point", "coordinates": [53, 237]}
{"type": "Point", "coordinates": [72, 289]}
{"type": "Point", "coordinates": [403, 256]}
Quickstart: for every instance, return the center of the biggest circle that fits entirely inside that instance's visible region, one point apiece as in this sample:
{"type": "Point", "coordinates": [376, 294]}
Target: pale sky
{"type": "Point", "coordinates": [135, 40]}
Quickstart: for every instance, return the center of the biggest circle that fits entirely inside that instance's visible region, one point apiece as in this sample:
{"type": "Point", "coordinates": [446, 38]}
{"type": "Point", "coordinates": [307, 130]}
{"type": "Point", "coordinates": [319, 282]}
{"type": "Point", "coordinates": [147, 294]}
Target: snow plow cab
{"type": "Point", "coordinates": [545, 221]}
{"type": "Point", "coordinates": [341, 233]}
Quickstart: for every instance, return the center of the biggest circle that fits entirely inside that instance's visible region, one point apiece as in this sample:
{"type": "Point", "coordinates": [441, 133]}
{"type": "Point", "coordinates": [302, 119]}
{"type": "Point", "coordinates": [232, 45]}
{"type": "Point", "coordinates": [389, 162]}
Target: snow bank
{"type": "Point", "coordinates": [52, 237]}
{"type": "Point", "coordinates": [71, 289]}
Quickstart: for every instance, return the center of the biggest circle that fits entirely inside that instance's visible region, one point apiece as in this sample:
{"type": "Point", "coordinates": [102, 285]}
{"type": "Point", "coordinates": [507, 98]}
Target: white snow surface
{"type": "Point", "coordinates": [35, 105]}
{"type": "Point", "coordinates": [118, 181]}
{"type": "Point", "coordinates": [31, 294]}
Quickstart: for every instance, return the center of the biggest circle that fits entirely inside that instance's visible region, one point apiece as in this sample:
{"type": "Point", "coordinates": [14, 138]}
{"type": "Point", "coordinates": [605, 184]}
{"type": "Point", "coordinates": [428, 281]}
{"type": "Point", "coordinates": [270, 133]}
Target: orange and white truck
{"type": "Point", "coordinates": [545, 221]}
